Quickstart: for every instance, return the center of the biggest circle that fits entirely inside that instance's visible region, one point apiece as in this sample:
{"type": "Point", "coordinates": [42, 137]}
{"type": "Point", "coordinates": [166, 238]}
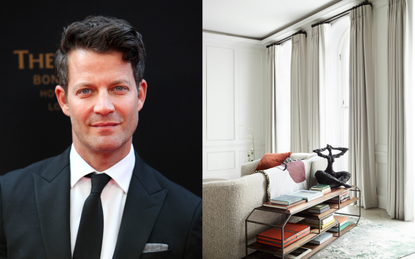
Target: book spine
{"type": "Point", "coordinates": [319, 189]}
{"type": "Point", "coordinates": [277, 243]}
{"type": "Point", "coordinates": [335, 229]}
{"type": "Point", "coordinates": [322, 221]}
{"type": "Point", "coordinates": [331, 201]}
{"type": "Point", "coordinates": [322, 226]}
{"type": "Point", "coordinates": [318, 211]}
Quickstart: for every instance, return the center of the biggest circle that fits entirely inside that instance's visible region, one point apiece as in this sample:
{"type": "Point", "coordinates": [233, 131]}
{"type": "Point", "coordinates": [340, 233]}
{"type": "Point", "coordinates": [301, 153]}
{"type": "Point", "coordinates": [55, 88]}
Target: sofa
{"type": "Point", "coordinates": [227, 203]}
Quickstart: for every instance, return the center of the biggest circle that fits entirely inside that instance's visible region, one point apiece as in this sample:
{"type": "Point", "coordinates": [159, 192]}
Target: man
{"type": "Point", "coordinates": [139, 213]}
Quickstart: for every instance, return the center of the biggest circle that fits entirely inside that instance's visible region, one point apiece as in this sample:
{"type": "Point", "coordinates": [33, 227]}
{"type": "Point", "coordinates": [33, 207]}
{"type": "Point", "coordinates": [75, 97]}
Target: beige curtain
{"type": "Point", "coordinates": [271, 118]}
{"type": "Point", "coordinates": [299, 113]}
{"type": "Point", "coordinates": [399, 190]}
{"type": "Point", "coordinates": [362, 106]}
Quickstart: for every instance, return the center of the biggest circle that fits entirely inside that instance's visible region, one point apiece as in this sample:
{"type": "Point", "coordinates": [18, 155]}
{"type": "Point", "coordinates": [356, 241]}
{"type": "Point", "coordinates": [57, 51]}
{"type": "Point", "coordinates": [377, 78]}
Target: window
{"type": "Point", "coordinates": [283, 68]}
{"type": "Point", "coordinates": [337, 95]}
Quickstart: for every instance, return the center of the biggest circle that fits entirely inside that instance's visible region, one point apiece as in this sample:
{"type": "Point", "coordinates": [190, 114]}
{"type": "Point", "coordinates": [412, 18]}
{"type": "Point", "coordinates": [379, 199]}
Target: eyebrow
{"type": "Point", "coordinates": [115, 82]}
{"type": "Point", "coordinates": [120, 81]}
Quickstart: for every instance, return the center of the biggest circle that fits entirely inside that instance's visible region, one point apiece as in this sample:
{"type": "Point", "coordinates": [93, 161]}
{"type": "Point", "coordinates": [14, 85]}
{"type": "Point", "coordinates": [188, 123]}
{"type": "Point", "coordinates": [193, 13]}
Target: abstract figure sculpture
{"type": "Point", "coordinates": [329, 176]}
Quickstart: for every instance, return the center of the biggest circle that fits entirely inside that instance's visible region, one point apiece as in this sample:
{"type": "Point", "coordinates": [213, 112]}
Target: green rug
{"type": "Point", "coordinates": [370, 240]}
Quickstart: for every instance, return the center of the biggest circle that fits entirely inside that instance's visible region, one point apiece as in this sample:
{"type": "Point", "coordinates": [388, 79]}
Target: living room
{"type": "Point", "coordinates": [235, 86]}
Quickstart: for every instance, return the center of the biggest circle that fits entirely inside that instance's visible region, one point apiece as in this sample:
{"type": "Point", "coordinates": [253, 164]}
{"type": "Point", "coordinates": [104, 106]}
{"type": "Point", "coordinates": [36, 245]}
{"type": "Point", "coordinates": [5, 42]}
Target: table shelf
{"type": "Point", "coordinates": [301, 211]}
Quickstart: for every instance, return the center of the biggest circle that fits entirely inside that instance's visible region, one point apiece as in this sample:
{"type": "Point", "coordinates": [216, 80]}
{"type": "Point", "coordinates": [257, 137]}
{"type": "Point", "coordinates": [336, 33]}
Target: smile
{"type": "Point", "coordinates": [105, 124]}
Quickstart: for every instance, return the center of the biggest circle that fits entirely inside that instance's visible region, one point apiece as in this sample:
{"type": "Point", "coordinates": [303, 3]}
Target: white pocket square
{"type": "Point", "coordinates": [155, 247]}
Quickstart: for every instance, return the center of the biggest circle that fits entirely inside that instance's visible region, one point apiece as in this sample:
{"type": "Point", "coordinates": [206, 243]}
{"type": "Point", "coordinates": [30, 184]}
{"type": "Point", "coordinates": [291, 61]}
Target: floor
{"type": "Point", "coordinates": [381, 216]}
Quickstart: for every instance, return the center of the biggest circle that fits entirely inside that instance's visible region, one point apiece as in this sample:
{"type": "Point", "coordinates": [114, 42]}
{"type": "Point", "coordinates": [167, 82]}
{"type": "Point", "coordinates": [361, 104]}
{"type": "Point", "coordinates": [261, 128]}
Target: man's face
{"type": "Point", "coordinates": [102, 101]}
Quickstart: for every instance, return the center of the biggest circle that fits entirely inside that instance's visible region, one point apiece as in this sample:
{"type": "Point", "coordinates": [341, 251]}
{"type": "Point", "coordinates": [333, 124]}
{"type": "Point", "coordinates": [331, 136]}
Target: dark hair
{"type": "Point", "coordinates": [100, 34]}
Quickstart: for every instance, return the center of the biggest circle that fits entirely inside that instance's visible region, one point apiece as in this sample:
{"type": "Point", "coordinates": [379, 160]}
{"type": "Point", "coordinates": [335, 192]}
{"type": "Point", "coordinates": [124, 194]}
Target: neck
{"type": "Point", "coordinates": [102, 160]}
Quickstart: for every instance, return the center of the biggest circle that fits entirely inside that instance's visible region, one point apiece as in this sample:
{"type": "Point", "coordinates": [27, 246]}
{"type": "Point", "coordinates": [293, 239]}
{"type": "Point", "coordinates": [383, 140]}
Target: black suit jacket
{"type": "Point", "coordinates": [35, 207]}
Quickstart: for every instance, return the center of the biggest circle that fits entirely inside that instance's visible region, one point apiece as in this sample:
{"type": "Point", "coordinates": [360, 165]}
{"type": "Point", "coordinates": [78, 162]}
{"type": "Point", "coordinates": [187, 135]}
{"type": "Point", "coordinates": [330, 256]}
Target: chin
{"type": "Point", "coordinates": [109, 145]}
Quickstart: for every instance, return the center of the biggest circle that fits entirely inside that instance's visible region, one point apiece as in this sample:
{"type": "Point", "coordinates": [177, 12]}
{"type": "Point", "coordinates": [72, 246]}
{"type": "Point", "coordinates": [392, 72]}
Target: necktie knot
{"type": "Point", "coordinates": [98, 182]}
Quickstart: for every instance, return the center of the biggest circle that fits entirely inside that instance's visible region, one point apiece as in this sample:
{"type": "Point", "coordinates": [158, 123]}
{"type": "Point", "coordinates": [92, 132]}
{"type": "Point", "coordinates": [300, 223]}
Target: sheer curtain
{"type": "Point", "coordinates": [399, 187]}
{"type": "Point", "coordinates": [278, 92]}
{"type": "Point", "coordinates": [299, 113]}
{"type": "Point", "coordinates": [319, 81]}
{"type": "Point", "coordinates": [362, 106]}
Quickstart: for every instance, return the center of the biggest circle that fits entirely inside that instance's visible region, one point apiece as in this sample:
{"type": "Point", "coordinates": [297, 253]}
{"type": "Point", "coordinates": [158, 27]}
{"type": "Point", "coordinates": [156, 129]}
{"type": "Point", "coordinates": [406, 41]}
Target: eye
{"type": "Point", "coordinates": [85, 91]}
{"type": "Point", "coordinates": [119, 88]}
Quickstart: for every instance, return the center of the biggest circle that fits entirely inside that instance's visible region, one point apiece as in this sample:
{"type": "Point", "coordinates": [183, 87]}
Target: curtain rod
{"type": "Point", "coordinates": [366, 2]}
{"type": "Point", "coordinates": [286, 39]}
{"type": "Point", "coordinates": [340, 15]}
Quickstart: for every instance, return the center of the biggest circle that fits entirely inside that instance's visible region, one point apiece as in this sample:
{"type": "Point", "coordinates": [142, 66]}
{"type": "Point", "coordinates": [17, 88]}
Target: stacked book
{"type": "Point", "coordinates": [293, 199]}
{"type": "Point", "coordinates": [343, 222]}
{"type": "Point", "coordinates": [318, 209]}
{"type": "Point", "coordinates": [292, 232]}
{"type": "Point", "coordinates": [321, 238]}
{"type": "Point", "coordinates": [284, 202]}
{"type": "Point", "coordinates": [315, 222]}
{"type": "Point", "coordinates": [324, 188]}
{"type": "Point", "coordinates": [343, 197]}
{"type": "Point", "coordinates": [307, 195]}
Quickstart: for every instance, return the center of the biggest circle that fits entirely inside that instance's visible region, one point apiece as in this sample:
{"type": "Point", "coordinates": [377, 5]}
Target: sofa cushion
{"type": "Point", "coordinates": [270, 160]}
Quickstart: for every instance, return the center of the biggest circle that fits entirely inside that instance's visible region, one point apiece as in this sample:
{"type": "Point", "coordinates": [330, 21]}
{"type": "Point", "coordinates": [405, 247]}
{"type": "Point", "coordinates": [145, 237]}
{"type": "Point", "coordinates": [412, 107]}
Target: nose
{"type": "Point", "coordinates": [104, 105]}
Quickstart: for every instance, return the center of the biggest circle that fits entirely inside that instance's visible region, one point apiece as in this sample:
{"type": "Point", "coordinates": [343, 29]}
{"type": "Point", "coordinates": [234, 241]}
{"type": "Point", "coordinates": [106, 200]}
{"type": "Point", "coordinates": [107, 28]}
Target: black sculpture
{"type": "Point", "coordinates": [329, 176]}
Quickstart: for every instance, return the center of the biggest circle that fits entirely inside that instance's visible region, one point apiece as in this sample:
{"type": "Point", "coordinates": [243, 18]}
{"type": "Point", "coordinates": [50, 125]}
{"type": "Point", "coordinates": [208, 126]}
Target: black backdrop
{"type": "Point", "coordinates": [169, 134]}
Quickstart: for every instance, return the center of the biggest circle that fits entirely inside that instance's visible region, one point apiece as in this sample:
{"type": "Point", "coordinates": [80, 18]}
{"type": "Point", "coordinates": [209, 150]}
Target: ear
{"type": "Point", "coordinates": [142, 91]}
{"type": "Point", "coordinates": [60, 95]}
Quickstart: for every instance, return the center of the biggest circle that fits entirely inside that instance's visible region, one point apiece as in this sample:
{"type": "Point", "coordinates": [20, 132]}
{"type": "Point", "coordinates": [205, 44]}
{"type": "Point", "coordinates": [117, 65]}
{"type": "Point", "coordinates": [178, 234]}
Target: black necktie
{"type": "Point", "coordinates": [91, 228]}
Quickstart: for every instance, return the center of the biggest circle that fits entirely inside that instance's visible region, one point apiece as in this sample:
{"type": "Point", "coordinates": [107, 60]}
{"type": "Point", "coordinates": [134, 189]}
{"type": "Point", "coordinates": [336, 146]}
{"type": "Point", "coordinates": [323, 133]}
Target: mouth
{"type": "Point", "coordinates": [104, 124]}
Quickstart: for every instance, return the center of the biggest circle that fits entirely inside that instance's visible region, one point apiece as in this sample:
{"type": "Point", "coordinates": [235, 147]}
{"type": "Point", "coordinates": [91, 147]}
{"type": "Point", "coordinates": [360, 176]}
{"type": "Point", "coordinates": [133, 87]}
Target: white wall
{"type": "Point", "coordinates": [233, 94]}
{"type": "Point", "coordinates": [238, 95]}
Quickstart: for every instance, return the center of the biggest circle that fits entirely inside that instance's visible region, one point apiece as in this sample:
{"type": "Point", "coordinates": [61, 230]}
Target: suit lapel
{"type": "Point", "coordinates": [52, 190]}
{"type": "Point", "coordinates": [144, 200]}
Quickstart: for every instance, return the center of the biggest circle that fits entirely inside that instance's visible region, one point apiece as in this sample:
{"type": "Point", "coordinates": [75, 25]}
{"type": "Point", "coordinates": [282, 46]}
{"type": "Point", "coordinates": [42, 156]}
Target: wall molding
{"type": "Point", "coordinates": [216, 38]}
{"type": "Point", "coordinates": [215, 161]}
{"type": "Point", "coordinates": [246, 103]}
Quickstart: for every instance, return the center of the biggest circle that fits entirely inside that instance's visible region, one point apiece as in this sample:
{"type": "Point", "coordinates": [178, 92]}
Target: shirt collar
{"type": "Point", "coordinates": [121, 172]}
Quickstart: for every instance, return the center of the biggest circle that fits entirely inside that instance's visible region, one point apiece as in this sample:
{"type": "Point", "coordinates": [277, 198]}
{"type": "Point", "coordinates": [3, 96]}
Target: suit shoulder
{"type": "Point", "coordinates": [30, 169]}
{"type": "Point", "coordinates": [18, 185]}
{"type": "Point", "coordinates": [180, 202]}
{"type": "Point", "coordinates": [35, 168]}
{"type": "Point", "coordinates": [153, 181]}
{"type": "Point", "coordinates": [175, 189]}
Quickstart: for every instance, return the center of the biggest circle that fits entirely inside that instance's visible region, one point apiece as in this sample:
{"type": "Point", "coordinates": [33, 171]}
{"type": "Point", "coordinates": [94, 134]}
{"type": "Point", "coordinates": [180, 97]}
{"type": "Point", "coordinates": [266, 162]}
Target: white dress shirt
{"type": "Point", "coordinates": [113, 197]}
